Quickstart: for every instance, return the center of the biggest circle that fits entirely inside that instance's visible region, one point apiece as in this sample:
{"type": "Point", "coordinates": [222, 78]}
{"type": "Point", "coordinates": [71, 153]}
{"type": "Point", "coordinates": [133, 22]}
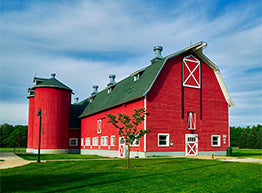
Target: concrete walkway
{"type": "Point", "coordinates": [11, 160]}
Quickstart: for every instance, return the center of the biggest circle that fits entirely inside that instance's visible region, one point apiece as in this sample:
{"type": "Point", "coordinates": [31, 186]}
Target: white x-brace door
{"type": "Point", "coordinates": [122, 149]}
{"type": "Point", "coordinates": [191, 144]}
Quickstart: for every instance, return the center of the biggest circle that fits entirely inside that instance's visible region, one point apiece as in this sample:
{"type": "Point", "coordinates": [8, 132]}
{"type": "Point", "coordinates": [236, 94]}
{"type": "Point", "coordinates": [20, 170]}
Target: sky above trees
{"type": "Point", "coordinates": [85, 41]}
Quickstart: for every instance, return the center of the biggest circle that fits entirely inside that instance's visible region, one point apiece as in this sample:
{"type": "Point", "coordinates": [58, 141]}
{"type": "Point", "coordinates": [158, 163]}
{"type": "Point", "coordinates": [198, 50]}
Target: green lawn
{"type": "Point", "coordinates": [57, 156]}
{"type": "Point", "coordinates": [11, 149]}
{"type": "Point", "coordinates": [146, 175]}
{"type": "Point", "coordinates": [252, 153]}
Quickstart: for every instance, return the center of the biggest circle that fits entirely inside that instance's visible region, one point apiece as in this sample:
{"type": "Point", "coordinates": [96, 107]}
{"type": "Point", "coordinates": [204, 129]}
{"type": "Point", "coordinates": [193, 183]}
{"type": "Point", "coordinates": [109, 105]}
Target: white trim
{"type": "Point", "coordinates": [76, 140]}
{"type": "Point", "coordinates": [87, 141]}
{"type": "Point", "coordinates": [99, 125]}
{"type": "Point", "coordinates": [170, 57]}
{"type": "Point", "coordinates": [191, 120]}
{"type": "Point", "coordinates": [192, 72]}
{"type": "Point", "coordinates": [104, 140]}
{"type": "Point", "coordinates": [189, 149]}
{"type": "Point", "coordinates": [207, 61]}
{"type": "Point", "coordinates": [167, 139]}
{"type": "Point", "coordinates": [145, 106]}
{"type": "Point", "coordinates": [218, 141]}
{"type": "Point", "coordinates": [111, 140]}
{"type": "Point", "coordinates": [95, 141]}
{"type": "Point", "coordinates": [219, 78]}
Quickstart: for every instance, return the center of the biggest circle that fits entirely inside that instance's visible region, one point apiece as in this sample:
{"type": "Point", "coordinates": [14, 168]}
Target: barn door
{"type": "Point", "coordinates": [122, 149]}
{"type": "Point", "coordinates": [191, 144]}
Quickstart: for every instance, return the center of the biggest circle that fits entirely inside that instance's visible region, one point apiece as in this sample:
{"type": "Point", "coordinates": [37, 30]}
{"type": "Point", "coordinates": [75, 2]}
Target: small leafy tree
{"type": "Point", "coordinates": [127, 127]}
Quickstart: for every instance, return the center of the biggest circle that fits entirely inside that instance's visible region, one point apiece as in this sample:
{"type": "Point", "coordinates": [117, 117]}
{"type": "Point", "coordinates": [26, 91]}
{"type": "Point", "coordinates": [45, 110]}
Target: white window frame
{"type": "Point", "coordinates": [134, 143]}
{"type": "Point", "coordinates": [82, 142]}
{"type": "Point", "coordinates": [104, 141]}
{"type": "Point", "coordinates": [218, 141]}
{"type": "Point", "coordinates": [88, 141]}
{"type": "Point", "coordinates": [99, 125]}
{"type": "Point", "coordinates": [167, 139]}
{"type": "Point", "coordinates": [191, 120]}
{"type": "Point", "coordinates": [113, 140]}
{"type": "Point", "coordinates": [70, 142]}
{"type": "Point", "coordinates": [95, 141]}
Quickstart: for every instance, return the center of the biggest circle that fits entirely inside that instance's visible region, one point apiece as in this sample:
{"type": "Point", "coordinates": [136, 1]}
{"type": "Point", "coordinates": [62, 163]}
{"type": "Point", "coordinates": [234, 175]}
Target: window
{"type": "Point", "coordinates": [109, 90]}
{"type": "Point", "coordinates": [112, 140]}
{"type": "Point", "coordinates": [73, 141]}
{"type": "Point", "coordinates": [104, 141]}
{"type": "Point", "coordinates": [191, 72]}
{"type": "Point", "coordinates": [136, 142]}
{"type": "Point", "coordinates": [136, 77]}
{"type": "Point", "coordinates": [99, 126]}
{"type": "Point", "coordinates": [88, 141]}
{"type": "Point", "coordinates": [95, 141]}
{"type": "Point", "coordinates": [191, 120]}
{"type": "Point", "coordinates": [163, 139]}
{"type": "Point", "coordinates": [82, 142]}
{"type": "Point", "coordinates": [216, 140]}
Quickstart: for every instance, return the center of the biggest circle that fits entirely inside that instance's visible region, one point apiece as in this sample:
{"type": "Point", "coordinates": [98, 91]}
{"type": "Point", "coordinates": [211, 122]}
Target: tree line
{"type": "Point", "coordinates": [242, 137]}
{"type": "Point", "coordinates": [246, 137]}
{"type": "Point", "coordinates": [13, 136]}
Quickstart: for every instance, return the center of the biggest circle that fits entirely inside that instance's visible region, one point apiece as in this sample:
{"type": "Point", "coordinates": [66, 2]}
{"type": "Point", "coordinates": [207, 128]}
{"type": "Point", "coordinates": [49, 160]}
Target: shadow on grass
{"type": "Point", "coordinates": [140, 177]}
{"type": "Point", "coordinates": [46, 182]}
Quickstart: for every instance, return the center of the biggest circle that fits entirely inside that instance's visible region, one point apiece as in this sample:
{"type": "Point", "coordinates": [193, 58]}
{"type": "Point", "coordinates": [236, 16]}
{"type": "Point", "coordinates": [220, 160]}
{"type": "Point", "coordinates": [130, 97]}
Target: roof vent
{"type": "Point", "coordinates": [76, 100]}
{"type": "Point", "coordinates": [95, 90]}
{"type": "Point", "coordinates": [53, 75]}
{"type": "Point", "coordinates": [157, 56]}
{"type": "Point", "coordinates": [112, 80]}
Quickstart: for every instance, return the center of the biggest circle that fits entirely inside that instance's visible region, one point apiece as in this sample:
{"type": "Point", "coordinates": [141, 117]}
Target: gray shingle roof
{"type": "Point", "coordinates": [51, 82]}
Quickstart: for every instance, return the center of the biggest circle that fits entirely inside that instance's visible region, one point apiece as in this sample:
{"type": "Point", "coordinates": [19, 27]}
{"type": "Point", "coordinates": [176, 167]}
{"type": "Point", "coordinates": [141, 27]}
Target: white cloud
{"type": "Point", "coordinates": [36, 41]}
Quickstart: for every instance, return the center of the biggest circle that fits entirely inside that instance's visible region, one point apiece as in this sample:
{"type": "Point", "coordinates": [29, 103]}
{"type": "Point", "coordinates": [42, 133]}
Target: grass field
{"type": "Point", "coordinates": [145, 175]}
{"type": "Point", "coordinates": [11, 149]}
{"type": "Point", "coordinates": [57, 156]}
{"type": "Point", "coordinates": [254, 153]}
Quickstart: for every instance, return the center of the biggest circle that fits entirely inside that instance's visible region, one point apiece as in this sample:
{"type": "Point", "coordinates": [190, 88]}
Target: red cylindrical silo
{"type": "Point", "coordinates": [54, 99]}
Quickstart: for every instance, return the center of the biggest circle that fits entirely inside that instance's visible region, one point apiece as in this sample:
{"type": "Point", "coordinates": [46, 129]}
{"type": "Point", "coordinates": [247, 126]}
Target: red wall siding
{"type": "Point", "coordinates": [31, 116]}
{"type": "Point", "coordinates": [89, 126]}
{"type": "Point", "coordinates": [55, 105]}
{"type": "Point", "coordinates": [164, 105]}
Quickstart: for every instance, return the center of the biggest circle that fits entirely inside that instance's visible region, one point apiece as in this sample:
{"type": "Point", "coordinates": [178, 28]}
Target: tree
{"type": "Point", "coordinates": [127, 127]}
{"type": "Point", "coordinates": [252, 138]}
{"type": "Point", "coordinates": [243, 141]}
{"type": "Point", "coordinates": [235, 135]}
{"type": "Point", "coordinates": [259, 138]}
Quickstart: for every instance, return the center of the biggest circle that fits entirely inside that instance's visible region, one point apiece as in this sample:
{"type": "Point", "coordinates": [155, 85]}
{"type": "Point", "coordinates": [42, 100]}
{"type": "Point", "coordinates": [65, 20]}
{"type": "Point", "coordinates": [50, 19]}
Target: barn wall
{"type": "Point", "coordinates": [164, 103]}
{"type": "Point", "coordinates": [55, 105]}
{"type": "Point", "coordinates": [89, 129]}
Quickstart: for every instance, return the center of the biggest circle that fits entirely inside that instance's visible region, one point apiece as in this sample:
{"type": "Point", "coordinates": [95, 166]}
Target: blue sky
{"type": "Point", "coordinates": [85, 41]}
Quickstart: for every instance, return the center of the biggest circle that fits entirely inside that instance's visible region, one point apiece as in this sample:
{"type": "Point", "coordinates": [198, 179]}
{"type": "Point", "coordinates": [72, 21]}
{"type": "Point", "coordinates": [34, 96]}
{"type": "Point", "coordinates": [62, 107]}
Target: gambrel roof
{"type": "Point", "coordinates": [128, 90]}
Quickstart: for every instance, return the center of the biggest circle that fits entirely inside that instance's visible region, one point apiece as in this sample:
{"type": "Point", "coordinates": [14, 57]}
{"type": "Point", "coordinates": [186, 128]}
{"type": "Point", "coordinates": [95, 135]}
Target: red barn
{"type": "Point", "coordinates": [185, 96]}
